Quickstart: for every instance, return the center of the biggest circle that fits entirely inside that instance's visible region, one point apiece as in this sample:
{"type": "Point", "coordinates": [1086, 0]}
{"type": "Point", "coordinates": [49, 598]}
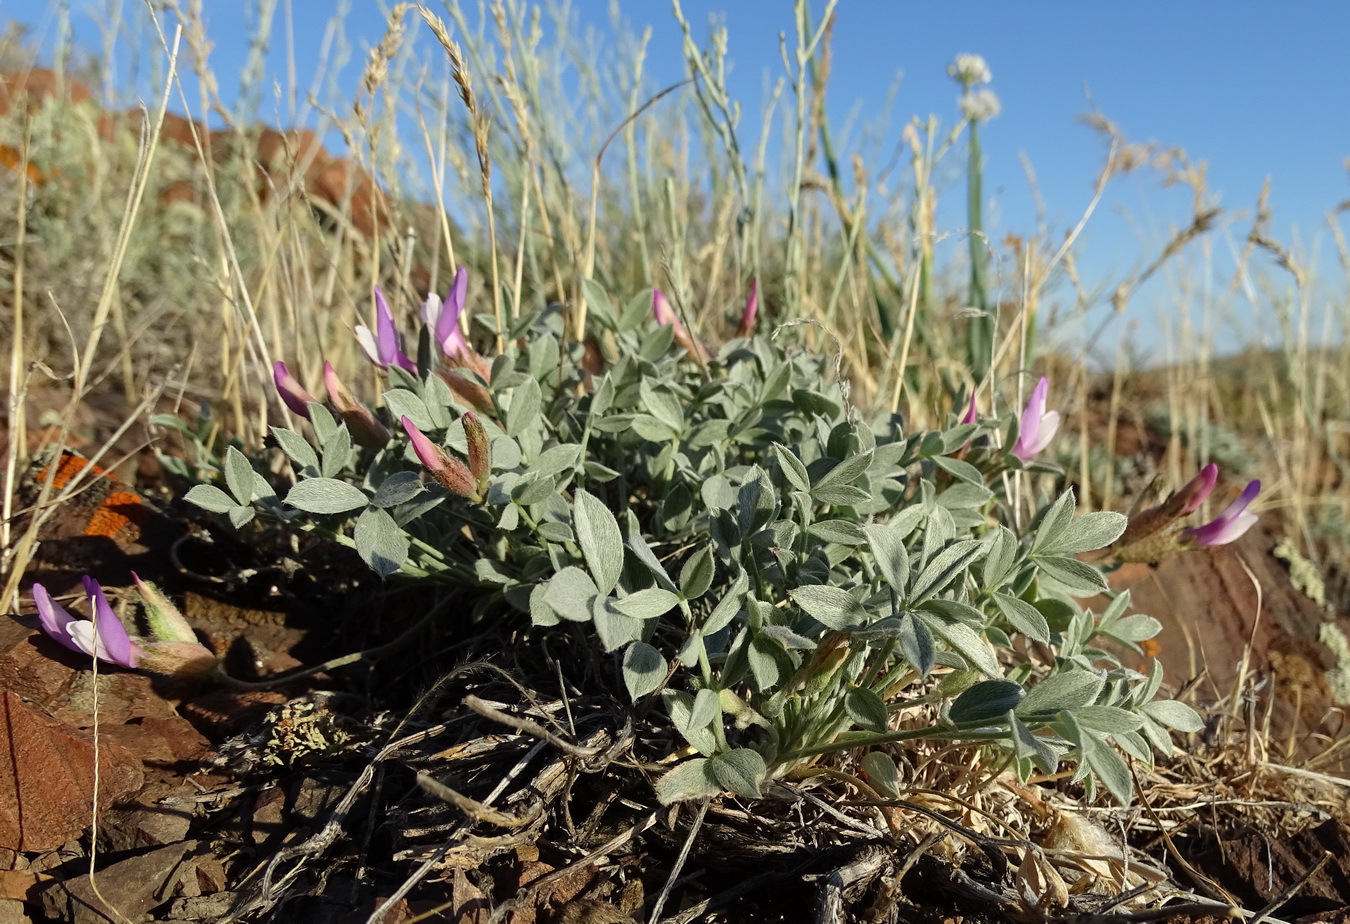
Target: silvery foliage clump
{"type": "Point", "coordinates": [784, 574]}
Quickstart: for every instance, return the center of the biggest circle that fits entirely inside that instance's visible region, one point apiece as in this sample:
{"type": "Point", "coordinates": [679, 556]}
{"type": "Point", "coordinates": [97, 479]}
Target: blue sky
{"type": "Point", "coordinates": [1254, 90]}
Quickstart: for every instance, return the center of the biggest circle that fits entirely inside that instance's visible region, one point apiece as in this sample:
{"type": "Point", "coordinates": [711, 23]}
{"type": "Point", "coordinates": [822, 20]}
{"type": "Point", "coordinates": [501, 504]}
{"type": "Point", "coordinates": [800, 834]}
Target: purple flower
{"type": "Point", "coordinates": [1038, 426]}
{"type": "Point", "coordinates": [747, 325]}
{"type": "Point", "coordinates": [972, 413]}
{"type": "Point", "coordinates": [1193, 493]}
{"type": "Point", "coordinates": [291, 391]}
{"type": "Point", "coordinates": [112, 643]}
{"type": "Point", "coordinates": [443, 317]}
{"type": "Point", "coordinates": [1228, 525]}
{"type": "Point", "coordinates": [383, 347]}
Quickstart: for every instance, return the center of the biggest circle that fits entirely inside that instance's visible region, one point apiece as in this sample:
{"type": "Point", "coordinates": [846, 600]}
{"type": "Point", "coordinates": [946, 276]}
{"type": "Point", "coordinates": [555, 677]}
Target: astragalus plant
{"type": "Point", "coordinates": [790, 577]}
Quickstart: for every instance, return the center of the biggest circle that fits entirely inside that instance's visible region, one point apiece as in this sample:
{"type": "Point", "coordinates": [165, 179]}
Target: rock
{"type": "Point", "coordinates": [134, 886]}
{"type": "Point", "coordinates": [47, 777]}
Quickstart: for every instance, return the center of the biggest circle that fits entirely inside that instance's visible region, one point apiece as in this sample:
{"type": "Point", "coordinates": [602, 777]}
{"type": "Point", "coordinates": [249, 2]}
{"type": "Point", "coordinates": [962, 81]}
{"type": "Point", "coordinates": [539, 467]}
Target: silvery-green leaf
{"type": "Point", "coordinates": [662, 405]}
{"type": "Point", "coordinates": [1135, 628]}
{"type": "Point", "coordinates": [961, 469]}
{"type": "Point", "coordinates": [211, 498]}
{"type": "Point", "coordinates": [533, 490]}
{"type": "Point", "coordinates": [598, 302]}
{"type": "Point", "coordinates": [398, 488]}
{"type": "Point", "coordinates": [916, 643]}
{"type": "Point", "coordinates": [728, 606]}
{"type": "Point", "coordinates": [998, 564]}
{"type": "Point", "coordinates": [239, 516]}
{"type": "Point", "coordinates": [598, 534]}
{"type": "Point", "coordinates": [1111, 720]}
{"type": "Point", "coordinates": [379, 541]}
{"type": "Point", "coordinates": [638, 546]}
{"type": "Point", "coordinates": [297, 448]}
{"type": "Point", "coordinates": [653, 428]}
{"type": "Point", "coordinates": [705, 709]}
{"type": "Point", "coordinates": [762, 655]}
{"type": "Point", "coordinates": [1024, 617]}
{"type": "Point", "coordinates": [984, 702]}
{"type": "Point", "coordinates": [510, 519]}
{"type": "Point", "coordinates": [841, 495]}
{"type": "Point", "coordinates": [792, 467]}
{"type": "Point", "coordinates": [945, 567]}
{"type": "Point", "coordinates": [570, 593]}
{"type": "Point", "coordinates": [649, 603]}
{"type": "Point", "coordinates": [962, 496]}
{"type": "Point", "coordinates": [603, 397]}
{"type": "Point", "coordinates": [1028, 745]}
{"type": "Point", "coordinates": [966, 642]}
{"type": "Point", "coordinates": [687, 781]}
{"type": "Point", "coordinates": [1079, 578]}
{"type": "Point", "coordinates": [1087, 533]}
{"type": "Point", "coordinates": [643, 669]}
{"type": "Point", "coordinates": [1109, 767]}
{"type": "Point", "coordinates": [888, 551]}
{"type": "Point", "coordinates": [1053, 522]}
{"type": "Point", "coordinates": [1059, 692]}
{"type": "Point", "coordinates": [680, 708]}
{"type": "Point", "coordinates": [239, 476]}
{"type": "Point", "coordinates": [1173, 714]}
{"type": "Point", "coordinates": [740, 771]}
{"type": "Point", "coordinates": [506, 456]}
{"type": "Point", "coordinates": [337, 452]}
{"type": "Point", "coordinates": [541, 614]}
{"type": "Point", "coordinates": [438, 399]}
{"type": "Point", "coordinates": [838, 530]}
{"type": "Point", "coordinates": [526, 400]}
{"type": "Point", "coordinates": [554, 460]}
{"type": "Point", "coordinates": [786, 637]}
{"type": "Point", "coordinates": [325, 495]}
{"type": "Point", "coordinates": [403, 403]}
{"type": "Point", "coordinates": [322, 422]}
{"type": "Point", "coordinates": [866, 709]}
{"type": "Point", "coordinates": [597, 472]}
{"type": "Point", "coordinates": [832, 607]}
{"type": "Point", "coordinates": [697, 574]}
{"type": "Point", "coordinates": [882, 773]}
{"type": "Point", "coordinates": [846, 472]}
{"type": "Point", "coordinates": [613, 627]}
{"type": "Point", "coordinates": [554, 531]}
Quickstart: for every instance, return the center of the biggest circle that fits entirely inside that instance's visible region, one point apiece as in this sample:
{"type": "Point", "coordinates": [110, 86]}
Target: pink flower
{"type": "Point", "coordinates": [452, 474]}
{"type": "Point", "coordinates": [443, 317]}
{"type": "Point", "coordinates": [664, 315]}
{"type": "Point", "coordinates": [1037, 427]}
{"type": "Point", "coordinates": [747, 325]}
{"type": "Point", "coordinates": [383, 348]}
{"type": "Point", "coordinates": [662, 311]}
{"type": "Point", "coordinates": [291, 391]}
{"type": "Point", "coordinates": [112, 643]}
{"type": "Point", "coordinates": [1228, 525]}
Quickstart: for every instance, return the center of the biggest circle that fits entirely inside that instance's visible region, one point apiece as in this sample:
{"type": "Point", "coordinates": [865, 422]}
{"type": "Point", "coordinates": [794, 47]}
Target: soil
{"type": "Point", "coordinates": [508, 790]}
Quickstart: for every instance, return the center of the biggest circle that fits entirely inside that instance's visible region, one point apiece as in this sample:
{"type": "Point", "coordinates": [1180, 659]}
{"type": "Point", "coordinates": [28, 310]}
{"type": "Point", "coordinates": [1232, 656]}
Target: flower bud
{"type": "Point", "coordinates": [291, 391]}
{"type": "Point", "coordinates": [449, 472]}
{"type": "Point", "coordinates": [480, 450]}
{"type": "Point", "coordinates": [365, 428]}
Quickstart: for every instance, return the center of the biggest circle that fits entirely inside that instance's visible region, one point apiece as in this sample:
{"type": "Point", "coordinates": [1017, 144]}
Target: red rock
{"type": "Point", "coordinates": [47, 777]}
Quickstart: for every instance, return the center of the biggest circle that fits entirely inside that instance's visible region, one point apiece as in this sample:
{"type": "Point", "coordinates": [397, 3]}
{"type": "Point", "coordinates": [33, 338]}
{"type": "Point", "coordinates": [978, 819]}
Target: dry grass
{"type": "Point", "coordinates": [106, 288]}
